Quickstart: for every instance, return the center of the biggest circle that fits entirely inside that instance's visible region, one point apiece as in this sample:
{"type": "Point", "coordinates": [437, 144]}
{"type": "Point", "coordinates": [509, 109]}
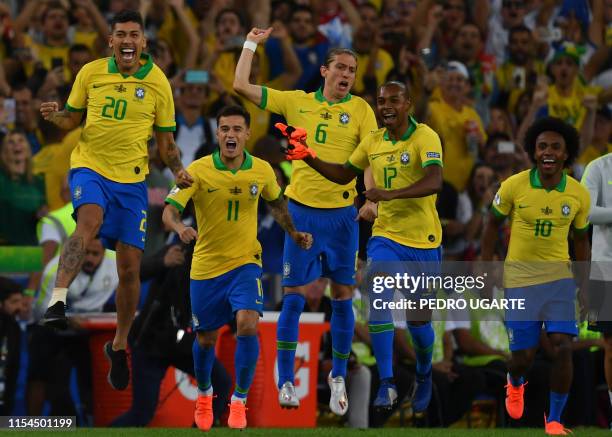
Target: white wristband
{"type": "Point", "coordinates": [250, 45]}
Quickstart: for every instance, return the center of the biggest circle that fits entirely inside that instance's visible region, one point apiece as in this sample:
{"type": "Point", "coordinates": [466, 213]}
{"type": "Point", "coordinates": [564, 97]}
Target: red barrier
{"type": "Point", "coordinates": [178, 391]}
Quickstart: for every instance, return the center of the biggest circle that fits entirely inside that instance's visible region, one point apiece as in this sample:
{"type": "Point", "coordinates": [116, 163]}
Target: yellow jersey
{"type": "Point", "coordinates": [450, 125]}
{"type": "Point", "coordinates": [53, 163]}
{"type": "Point", "coordinates": [225, 203]}
{"type": "Point", "coordinates": [121, 113]}
{"type": "Point", "coordinates": [334, 131]}
{"type": "Point", "coordinates": [591, 153]}
{"type": "Point", "coordinates": [399, 164]}
{"type": "Point", "coordinates": [384, 64]}
{"type": "Point", "coordinates": [541, 219]}
{"type": "Point", "coordinates": [569, 109]}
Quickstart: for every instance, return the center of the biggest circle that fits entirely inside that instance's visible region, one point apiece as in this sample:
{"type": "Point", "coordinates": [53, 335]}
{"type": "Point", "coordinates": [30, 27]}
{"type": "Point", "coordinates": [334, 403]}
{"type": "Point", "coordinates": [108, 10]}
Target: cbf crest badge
{"type": "Point", "coordinates": [565, 210]}
{"type": "Point", "coordinates": [139, 93]}
{"type": "Point", "coordinates": [253, 189]}
{"type": "Point", "coordinates": [405, 158]}
{"type": "Point", "coordinates": [345, 118]}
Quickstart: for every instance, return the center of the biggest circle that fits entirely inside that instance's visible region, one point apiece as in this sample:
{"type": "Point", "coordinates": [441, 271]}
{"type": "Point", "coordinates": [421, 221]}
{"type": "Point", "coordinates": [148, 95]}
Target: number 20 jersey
{"type": "Point", "coordinates": [122, 110]}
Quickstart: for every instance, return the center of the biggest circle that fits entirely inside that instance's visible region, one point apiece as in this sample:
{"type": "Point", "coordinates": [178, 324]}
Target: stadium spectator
{"type": "Point", "coordinates": [566, 95]}
{"type": "Point", "coordinates": [467, 48]}
{"type": "Point", "coordinates": [495, 19]}
{"type": "Point", "coordinates": [26, 116]}
{"type": "Point", "coordinates": [194, 130]}
{"type": "Point", "coordinates": [600, 144]}
{"type": "Point", "coordinates": [78, 55]}
{"type": "Point", "coordinates": [10, 342]}
{"type": "Point", "coordinates": [309, 46]}
{"type": "Point", "coordinates": [51, 47]}
{"type": "Point", "coordinates": [499, 122]}
{"type": "Point", "coordinates": [454, 14]}
{"type": "Point", "coordinates": [173, 22]}
{"type": "Point", "coordinates": [520, 69]}
{"type": "Point", "coordinates": [374, 62]}
{"type": "Point", "coordinates": [53, 353]}
{"type": "Point", "coordinates": [22, 195]}
{"type": "Point", "coordinates": [459, 126]}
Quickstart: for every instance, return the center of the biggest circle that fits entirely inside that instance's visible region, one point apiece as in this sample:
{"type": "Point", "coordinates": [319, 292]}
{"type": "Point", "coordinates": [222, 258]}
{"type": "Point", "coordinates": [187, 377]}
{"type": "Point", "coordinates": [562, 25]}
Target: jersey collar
{"type": "Point", "coordinates": [534, 179]}
{"type": "Point", "coordinates": [219, 165]}
{"type": "Point", "coordinates": [142, 71]}
{"type": "Point", "coordinates": [321, 98]}
{"type": "Point", "coordinates": [412, 125]}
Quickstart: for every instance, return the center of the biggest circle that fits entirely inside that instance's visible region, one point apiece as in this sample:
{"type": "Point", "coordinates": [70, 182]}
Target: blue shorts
{"type": "Point", "coordinates": [334, 250]}
{"type": "Point", "coordinates": [552, 304]}
{"type": "Point", "coordinates": [214, 302]}
{"type": "Point", "coordinates": [388, 258]}
{"type": "Point", "coordinates": [124, 206]}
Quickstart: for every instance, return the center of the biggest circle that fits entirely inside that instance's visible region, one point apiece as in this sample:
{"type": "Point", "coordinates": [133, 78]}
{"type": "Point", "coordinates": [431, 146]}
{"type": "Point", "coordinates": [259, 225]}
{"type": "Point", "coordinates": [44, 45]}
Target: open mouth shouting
{"type": "Point", "coordinates": [548, 163]}
{"type": "Point", "coordinates": [389, 117]}
{"type": "Point", "coordinates": [343, 86]}
{"type": "Point", "coordinates": [231, 145]}
{"type": "Point", "coordinates": [128, 54]}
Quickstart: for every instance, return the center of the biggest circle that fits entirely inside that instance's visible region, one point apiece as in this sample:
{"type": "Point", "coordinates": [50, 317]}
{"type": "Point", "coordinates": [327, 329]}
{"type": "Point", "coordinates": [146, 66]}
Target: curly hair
{"type": "Point", "coordinates": [567, 131]}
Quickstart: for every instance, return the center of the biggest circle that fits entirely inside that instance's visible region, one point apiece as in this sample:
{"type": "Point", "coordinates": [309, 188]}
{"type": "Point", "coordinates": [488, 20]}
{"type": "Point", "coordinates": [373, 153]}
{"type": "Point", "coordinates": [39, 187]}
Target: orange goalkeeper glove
{"type": "Point", "coordinates": [296, 148]}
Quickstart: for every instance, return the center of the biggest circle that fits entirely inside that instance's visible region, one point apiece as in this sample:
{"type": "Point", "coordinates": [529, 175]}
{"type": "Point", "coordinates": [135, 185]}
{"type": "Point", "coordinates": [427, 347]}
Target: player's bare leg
{"type": "Point", "coordinates": [128, 292]}
{"type": "Point", "coordinates": [342, 329]}
{"type": "Point", "coordinates": [293, 304]}
{"type": "Point", "coordinates": [89, 220]}
{"type": "Point", "coordinates": [247, 352]}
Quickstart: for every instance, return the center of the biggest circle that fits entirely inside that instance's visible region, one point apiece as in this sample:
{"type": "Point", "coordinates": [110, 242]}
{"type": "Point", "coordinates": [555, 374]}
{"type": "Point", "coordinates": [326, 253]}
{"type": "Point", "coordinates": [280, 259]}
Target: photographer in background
{"type": "Point", "coordinates": [161, 336]}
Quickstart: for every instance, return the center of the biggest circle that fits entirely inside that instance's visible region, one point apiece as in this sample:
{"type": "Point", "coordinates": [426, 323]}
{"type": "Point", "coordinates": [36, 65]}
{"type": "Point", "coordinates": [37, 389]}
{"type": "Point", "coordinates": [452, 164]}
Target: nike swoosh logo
{"type": "Point", "coordinates": [210, 190]}
{"type": "Point", "coordinates": [303, 112]}
{"type": "Point", "coordinates": [378, 155]}
{"type": "Point", "coordinates": [523, 206]}
{"type": "Point", "coordinates": [98, 85]}
{"type": "Point", "coordinates": [258, 302]}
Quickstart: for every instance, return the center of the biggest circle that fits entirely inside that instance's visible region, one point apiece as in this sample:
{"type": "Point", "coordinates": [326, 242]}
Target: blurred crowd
{"type": "Point", "coordinates": [479, 73]}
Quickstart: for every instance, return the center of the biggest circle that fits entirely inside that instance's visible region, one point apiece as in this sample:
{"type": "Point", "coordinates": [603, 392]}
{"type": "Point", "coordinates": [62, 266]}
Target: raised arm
{"type": "Point", "coordinates": [169, 153]}
{"type": "Point", "coordinates": [242, 84]}
{"type": "Point", "coordinates": [429, 184]}
{"type": "Point", "coordinates": [291, 63]}
{"type": "Point", "coordinates": [65, 119]}
{"type": "Point", "coordinates": [99, 22]}
{"type": "Point", "coordinates": [178, 6]}
{"type": "Point", "coordinates": [278, 209]}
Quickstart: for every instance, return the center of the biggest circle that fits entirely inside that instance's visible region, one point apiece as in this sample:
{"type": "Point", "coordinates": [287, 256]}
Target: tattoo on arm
{"type": "Point", "coordinates": [278, 209]}
{"type": "Point", "coordinates": [173, 157]}
{"type": "Point", "coordinates": [73, 254]}
{"type": "Point", "coordinates": [63, 119]}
